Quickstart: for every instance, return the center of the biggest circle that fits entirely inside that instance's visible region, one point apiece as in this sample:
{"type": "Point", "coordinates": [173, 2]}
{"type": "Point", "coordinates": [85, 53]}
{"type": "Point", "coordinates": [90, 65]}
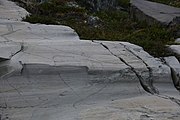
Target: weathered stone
{"type": "Point", "coordinates": [175, 49]}
{"type": "Point", "coordinates": [58, 77]}
{"type": "Point", "coordinates": [25, 32]}
{"type": "Point", "coordinates": [137, 108]}
{"type": "Point", "coordinates": [177, 40]}
{"type": "Point", "coordinates": [10, 11]}
{"type": "Point", "coordinates": [73, 4]}
{"type": "Point", "coordinates": [9, 49]}
{"type": "Point", "coordinates": [53, 75]}
{"type": "Point", "coordinates": [93, 21]}
{"type": "Point", "coordinates": [154, 12]}
{"type": "Point", "coordinates": [174, 64]}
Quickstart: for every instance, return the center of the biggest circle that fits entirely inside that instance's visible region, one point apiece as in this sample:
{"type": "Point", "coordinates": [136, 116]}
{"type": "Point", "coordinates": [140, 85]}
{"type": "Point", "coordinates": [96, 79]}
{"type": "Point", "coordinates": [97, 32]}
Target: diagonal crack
{"type": "Point", "coordinates": [173, 99]}
{"type": "Point", "coordinates": [174, 75]}
{"type": "Point", "coordinates": [81, 99]}
{"type": "Point", "coordinates": [22, 47]}
{"type": "Point", "coordinates": [145, 86]}
{"type": "Point", "coordinates": [150, 78]}
{"type": "Point", "coordinates": [11, 32]}
{"type": "Point", "coordinates": [92, 94]}
{"type": "Point", "coordinates": [59, 75]}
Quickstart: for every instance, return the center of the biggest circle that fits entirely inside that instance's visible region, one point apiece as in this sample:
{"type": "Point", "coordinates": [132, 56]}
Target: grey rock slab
{"type": "Point", "coordinates": [10, 11]}
{"type": "Point", "coordinates": [175, 49]}
{"type": "Point", "coordinates": [159, 74]}
{"type": "Point", "coordinates": [2, 39]}
{"type": "Point", "coordinates": [60, 80]}
{"type": "Point", "coordinates": [156, 66]}
{"type": "Point", "coordinates": [174, 64]}
{"type": "Point", "coordinates": [177, 40]}
{"type": "Point", "coordinates": [33, 33]}
{"type": "Point", "coordinates": [70, 53]}
{"type": "Point", "coordinates": [152, 11]}
{"type": "Point", "coordinates": [52, 75]}
{"type": "Point", "coordinates": [137, 58]}
{"type": "Point", "coordinates": [154, 76]}
{"type": "Point", "coordinates": [5, 68]}
{"type": "Point", "coordinates": [9, 49]}
{"type": "Point", "coordinates": [44, 92]}
{"type": "Point", "coordinates": [163, 85]}
{"type": "Point", "coordinates": [137, 108]}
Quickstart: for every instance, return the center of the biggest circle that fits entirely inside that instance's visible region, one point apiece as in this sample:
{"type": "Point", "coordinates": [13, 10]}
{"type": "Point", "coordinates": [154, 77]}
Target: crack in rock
{"type": "Point", "coordinates": [150, 12]}
{"type": "Point", "coordinates": [173, 99]}
{"type": "Point", "coordinates": [10, 32]}
{"type": "Point", "coordinates": [175, 78]}
{"type": "Point", "coordinates": [90, 95]}
{"type": "Point", "coordinates": [22, 48]}
{"type": "Point", "coordinates": [146, 87]}
{"type": "Point", "coordinates": [177, 101]}
{"type": "Point", "coordinates": [150, 78]}
{"type": "Point", "coordinates": [175, 75]}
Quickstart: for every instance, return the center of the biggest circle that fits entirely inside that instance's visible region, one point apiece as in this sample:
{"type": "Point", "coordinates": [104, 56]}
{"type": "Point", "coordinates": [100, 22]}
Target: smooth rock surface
{"type": "Point", "coordinates": [9, 49]}
{"type": "Point", "coordinates": [44, 92]}
{"type": "Point", "coordinates": [175, 49]}
{"type": "Point", "coordinates": [52, 75]}
{"type": "Point", "coordinates": [174, 64]}
{"type": "Point", "coordinates": [177, 40]}
{"type": "Point", "coordinates": [10, 11]}
{"type": "Point", "coordinates": [154, 12]}
{"type": "Point", "coordinates": [24, 32]}
{"type": "Point", "coordinates": [137, 108]}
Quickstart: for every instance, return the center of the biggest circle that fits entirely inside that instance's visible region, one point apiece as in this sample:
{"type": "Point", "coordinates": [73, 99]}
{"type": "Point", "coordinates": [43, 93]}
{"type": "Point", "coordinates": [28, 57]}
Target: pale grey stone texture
{"type": "Point", "coordinates": [154, 12]}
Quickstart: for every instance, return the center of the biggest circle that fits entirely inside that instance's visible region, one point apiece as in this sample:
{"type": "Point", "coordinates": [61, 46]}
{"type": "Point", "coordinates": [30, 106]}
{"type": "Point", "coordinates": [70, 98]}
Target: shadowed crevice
{"type": "Point", "coordinates": [147, 87]}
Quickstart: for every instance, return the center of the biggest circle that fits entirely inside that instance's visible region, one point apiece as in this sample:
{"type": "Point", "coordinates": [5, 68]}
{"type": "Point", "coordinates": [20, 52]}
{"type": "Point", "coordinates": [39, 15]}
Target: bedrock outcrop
{"type": "Point", "coordinates": [153, 12]}
{"type": "Point", "coordinates": [48, 73]}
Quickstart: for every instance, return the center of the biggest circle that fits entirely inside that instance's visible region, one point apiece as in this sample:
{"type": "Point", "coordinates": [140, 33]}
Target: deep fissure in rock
{"type": "Point", "coordinates": [146, 87]}
{"type": "Point", "coordinates": [150, 78]}
{"type": "Point", "coordinates": [175, 76]}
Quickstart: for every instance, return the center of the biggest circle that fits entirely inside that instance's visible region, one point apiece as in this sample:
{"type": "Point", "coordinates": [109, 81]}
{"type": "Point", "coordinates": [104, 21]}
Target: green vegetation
{"type": "Point", "coordinates": [175, 3]}
{"type": "Point", "coordinates": [41, 19]}
{"type": "Point", "coordinates": [123, 3]}
{"type": "Point", "coordinates": [114, 25]}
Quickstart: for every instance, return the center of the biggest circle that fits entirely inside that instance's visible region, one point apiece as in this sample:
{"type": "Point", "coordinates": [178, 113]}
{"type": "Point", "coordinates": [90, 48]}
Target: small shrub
{"type": "Point", "coordinates": [40, 19]}
{"type": "Point", "coordinates": [123, 3]}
